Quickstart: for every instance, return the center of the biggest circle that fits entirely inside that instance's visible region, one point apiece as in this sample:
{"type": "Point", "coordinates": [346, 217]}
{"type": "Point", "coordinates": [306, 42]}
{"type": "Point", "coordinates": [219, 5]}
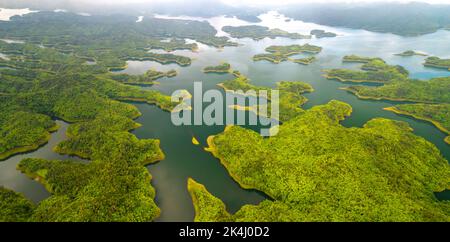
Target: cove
{"type": "Point", "coordinates": [15, 180]}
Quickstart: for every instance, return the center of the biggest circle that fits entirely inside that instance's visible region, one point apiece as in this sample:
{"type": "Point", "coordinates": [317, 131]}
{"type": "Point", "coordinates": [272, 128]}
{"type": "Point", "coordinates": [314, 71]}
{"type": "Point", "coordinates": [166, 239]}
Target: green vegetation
{"type": "Point", "coordinates": [289, 50]}
{"type": "Point", "coordinates": [290, 98]}
{"type": "Point", "coordinates": [386, 173]}
{"type": "Point", "coordinates": [322, 33]}
{"type": "Point", "coordinates": [260, 32]}
{"type": "Point", "coordinates": [358, 59]}
{"type": "Point", "coordinates": [305, 61]}
{"type": "Point", "coordinates": [433, 96]}
{"type": "Point", "coordinates": [56, 82]}
{"type": "Point", "coordinates": [22, 131]}
{"type": "Point", "coordinates": [172, 45]}
{"type": "Point", "coordinates": [374, 70]}
{"type": "Point", "coordinates": [201, 199]}
{"type": "Point", "coordinates": [436, 90]}
{"type": "Point", "coordinates": [114, 186]}
{"type": "Point", "coordinates": [111, 40]}
{"type": "Point", "coordinates": [278, 53]}
{"type": "Point", "coordinates": [222, 68]}
{"type": "Point", "coordinates": [437, 62]}
{"type": "Point", "coordinates": [146, 79]}
{"type": "Point", "coordinates": [14, 207]}
{"type": "Point", "coordinates": [406, 19]}
{"type": "Point", "coordinates": [438, 114]}
{"type": "Point", "coordinates": [411, 53]}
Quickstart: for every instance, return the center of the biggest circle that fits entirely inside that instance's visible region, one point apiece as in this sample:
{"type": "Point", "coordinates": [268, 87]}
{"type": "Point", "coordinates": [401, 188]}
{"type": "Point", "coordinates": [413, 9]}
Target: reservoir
{"type": "Point", "coordinates": [184, 159]}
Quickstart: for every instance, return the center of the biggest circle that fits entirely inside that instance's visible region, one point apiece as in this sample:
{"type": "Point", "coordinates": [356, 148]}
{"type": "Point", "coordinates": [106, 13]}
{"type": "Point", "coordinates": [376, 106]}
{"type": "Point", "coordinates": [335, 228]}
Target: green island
{"type": "Point", "coordinates": [97, 191]}
{"type": "Point", "coordinates": [375, 181]}
{"type": "Point", "coordinates": [432, 97]}
{"type": "Point", "coordinates": [279, 53]}
{"type": "Point", "coordinates": [43, 84]}
{"type": "Point", "coordinates": [436, 90]}
{"type": "Point", "coordinates": [437, 114]}
{"type": "Point", "coordinates": [400, 18]}
{"type": "Point", "coordinates": [222, 68]}
{"type": "Point", "coordinates": [14, 207]}
{"type": "Point", "coordinates": [373, 70]}
{"type": "Point", "coordinates": [411, 53]}
{"type": "Point", "coordinates": [437, 62]}
{"type": "Point", "coordinates": [22, 131]}
{"type": "Point", "coordinates": [290, 98]}
{"type": "Point", "coordinates": [145, 79]}
{"type": "Point", "coordinates": [172, 45]}
{"type": "Point", "coordinates": [319, 33]}
{"type": "Point", "coordinates": [305, 61]}
{"type": "Point", "coordinates": [358, 59]}
{"type": "Point", "coordinates": [256, 32]}
{"type": "Point", "coordinates": [110, 41]}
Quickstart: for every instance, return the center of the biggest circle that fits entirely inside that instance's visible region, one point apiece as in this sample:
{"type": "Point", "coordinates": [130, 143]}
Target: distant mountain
{"type": "Point", "coordinates": [402, 19]}
{"type": "Point", "coordinates": [199, 8]}
{"type": "Point", "coordinates": [406, 19]}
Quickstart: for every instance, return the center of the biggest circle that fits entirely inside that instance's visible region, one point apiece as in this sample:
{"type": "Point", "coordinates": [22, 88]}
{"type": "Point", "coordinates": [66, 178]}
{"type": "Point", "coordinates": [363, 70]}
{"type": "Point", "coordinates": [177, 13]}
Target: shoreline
{"type": "Point", "coordinates": [436, 66]}
{"type": "Point", "coordinates": [348, 89]}
{"type": "Point", "coordinates": [29, 148]}
{"type": "Point", "coordinates": [434, 122]}
{"type": "Point", "coordinates": [340, 79]}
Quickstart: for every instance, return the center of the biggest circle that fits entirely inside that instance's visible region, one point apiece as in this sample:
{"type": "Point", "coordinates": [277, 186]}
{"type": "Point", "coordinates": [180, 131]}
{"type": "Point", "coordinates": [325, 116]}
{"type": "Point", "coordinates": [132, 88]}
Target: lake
{"type": "Point", "coordinates": [183, 159]}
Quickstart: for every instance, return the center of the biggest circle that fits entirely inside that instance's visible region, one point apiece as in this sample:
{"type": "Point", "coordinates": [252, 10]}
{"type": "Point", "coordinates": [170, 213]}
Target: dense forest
{"type": "Point", "coordinates": [373, 70]}
{"type": "Point", "coordinates": [280, 53]}
{"type": "Point", "coordinates": [375, 181]}
{"type": "Point", "coordinates": [62, 71]}
{"type": "Point", "coordinates": [222, 68]}
{"type": "Point", "coordinates": [431, 96]}
{"type": "Point", "coordinates": [191, 8]}
{"type": "Point", "coordinates": [290, 96]}
{"type": "Point", "coordinates": [319, 33]}
{"type": "Point", "coordinates": [438, 114]}
{"type": "Point", "coordinates": [436, 90]}
{"type": "Point", "coordinates": [411, 53]}
{"type": "Point", "coordinates": [66, 68]}
{"type": "Point", "coordinates": [257, 32]}
{"type": "Point", "coordinates": [409, 19]}
{"type": "Point", "coordinates": [437, 62]}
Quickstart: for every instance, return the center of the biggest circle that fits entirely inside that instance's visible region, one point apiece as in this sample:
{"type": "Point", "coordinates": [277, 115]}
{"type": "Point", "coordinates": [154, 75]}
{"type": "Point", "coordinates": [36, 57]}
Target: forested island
{"type": "Point", "coordinates": [222, 68]}
{"type": "Point", "coordinates": [438, 114]}
{"type": "Point", "coordinates": [278, 53]}
{"type": "Point", "coordinates": [437, 62]}
{"type": "Point", "coordinates": [172, 45]}
{"type": "Point", "coordinates": [373, 70]}
{"type": "Point", "coordinates": [411, 53]}
{"type": "Point", "coordinates": [303, 186]}
{"type": "Point", "coordinates": [405, 19]}
{"type": "Point", "coordinates": [319, 33]}
{"type": "Point", "coordinates": [358, 59]}
{"type": "Point", "coordinates": [290, 96]}
{"type": "Point", "coordinates": [65, 68]}
{"type": "Point", "coordinates": [432, 97]}
{"type": "Point", "coordinates": [147, 78]}
{"type": "Point", "coordinates": [48, 79]}
{"type": "Point", "coordinates": [436, 90]}
{"type": "Point", "coordinates": [260, 32]}
{"type": "Point", "coordinates": [305, 61]}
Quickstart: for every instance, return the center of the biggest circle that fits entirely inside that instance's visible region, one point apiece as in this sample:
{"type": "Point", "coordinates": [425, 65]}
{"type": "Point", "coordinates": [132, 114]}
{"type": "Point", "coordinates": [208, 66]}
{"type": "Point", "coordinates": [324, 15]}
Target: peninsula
{"type": "Point", "coordinates": [257, 32]}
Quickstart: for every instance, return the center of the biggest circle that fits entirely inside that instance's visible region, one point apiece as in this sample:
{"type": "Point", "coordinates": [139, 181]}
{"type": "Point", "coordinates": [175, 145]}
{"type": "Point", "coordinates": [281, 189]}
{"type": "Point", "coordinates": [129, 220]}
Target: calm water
{"type": "Point", "coordinates": [183, 159]}
{"type": "Point", "coordinates": [15, 180]}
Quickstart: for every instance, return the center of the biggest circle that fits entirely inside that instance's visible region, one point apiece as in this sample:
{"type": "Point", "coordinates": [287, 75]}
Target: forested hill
{"type": "Point", "coordinates": [402, 19]}
{"type": "Point", "coordinates": [189, 8]}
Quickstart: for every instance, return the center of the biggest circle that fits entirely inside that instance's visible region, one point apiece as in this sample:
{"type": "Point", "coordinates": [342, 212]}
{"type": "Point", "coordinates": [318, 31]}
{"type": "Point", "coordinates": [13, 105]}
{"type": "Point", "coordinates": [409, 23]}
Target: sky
{"type": "Point", "coordinates": [263, 2]}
